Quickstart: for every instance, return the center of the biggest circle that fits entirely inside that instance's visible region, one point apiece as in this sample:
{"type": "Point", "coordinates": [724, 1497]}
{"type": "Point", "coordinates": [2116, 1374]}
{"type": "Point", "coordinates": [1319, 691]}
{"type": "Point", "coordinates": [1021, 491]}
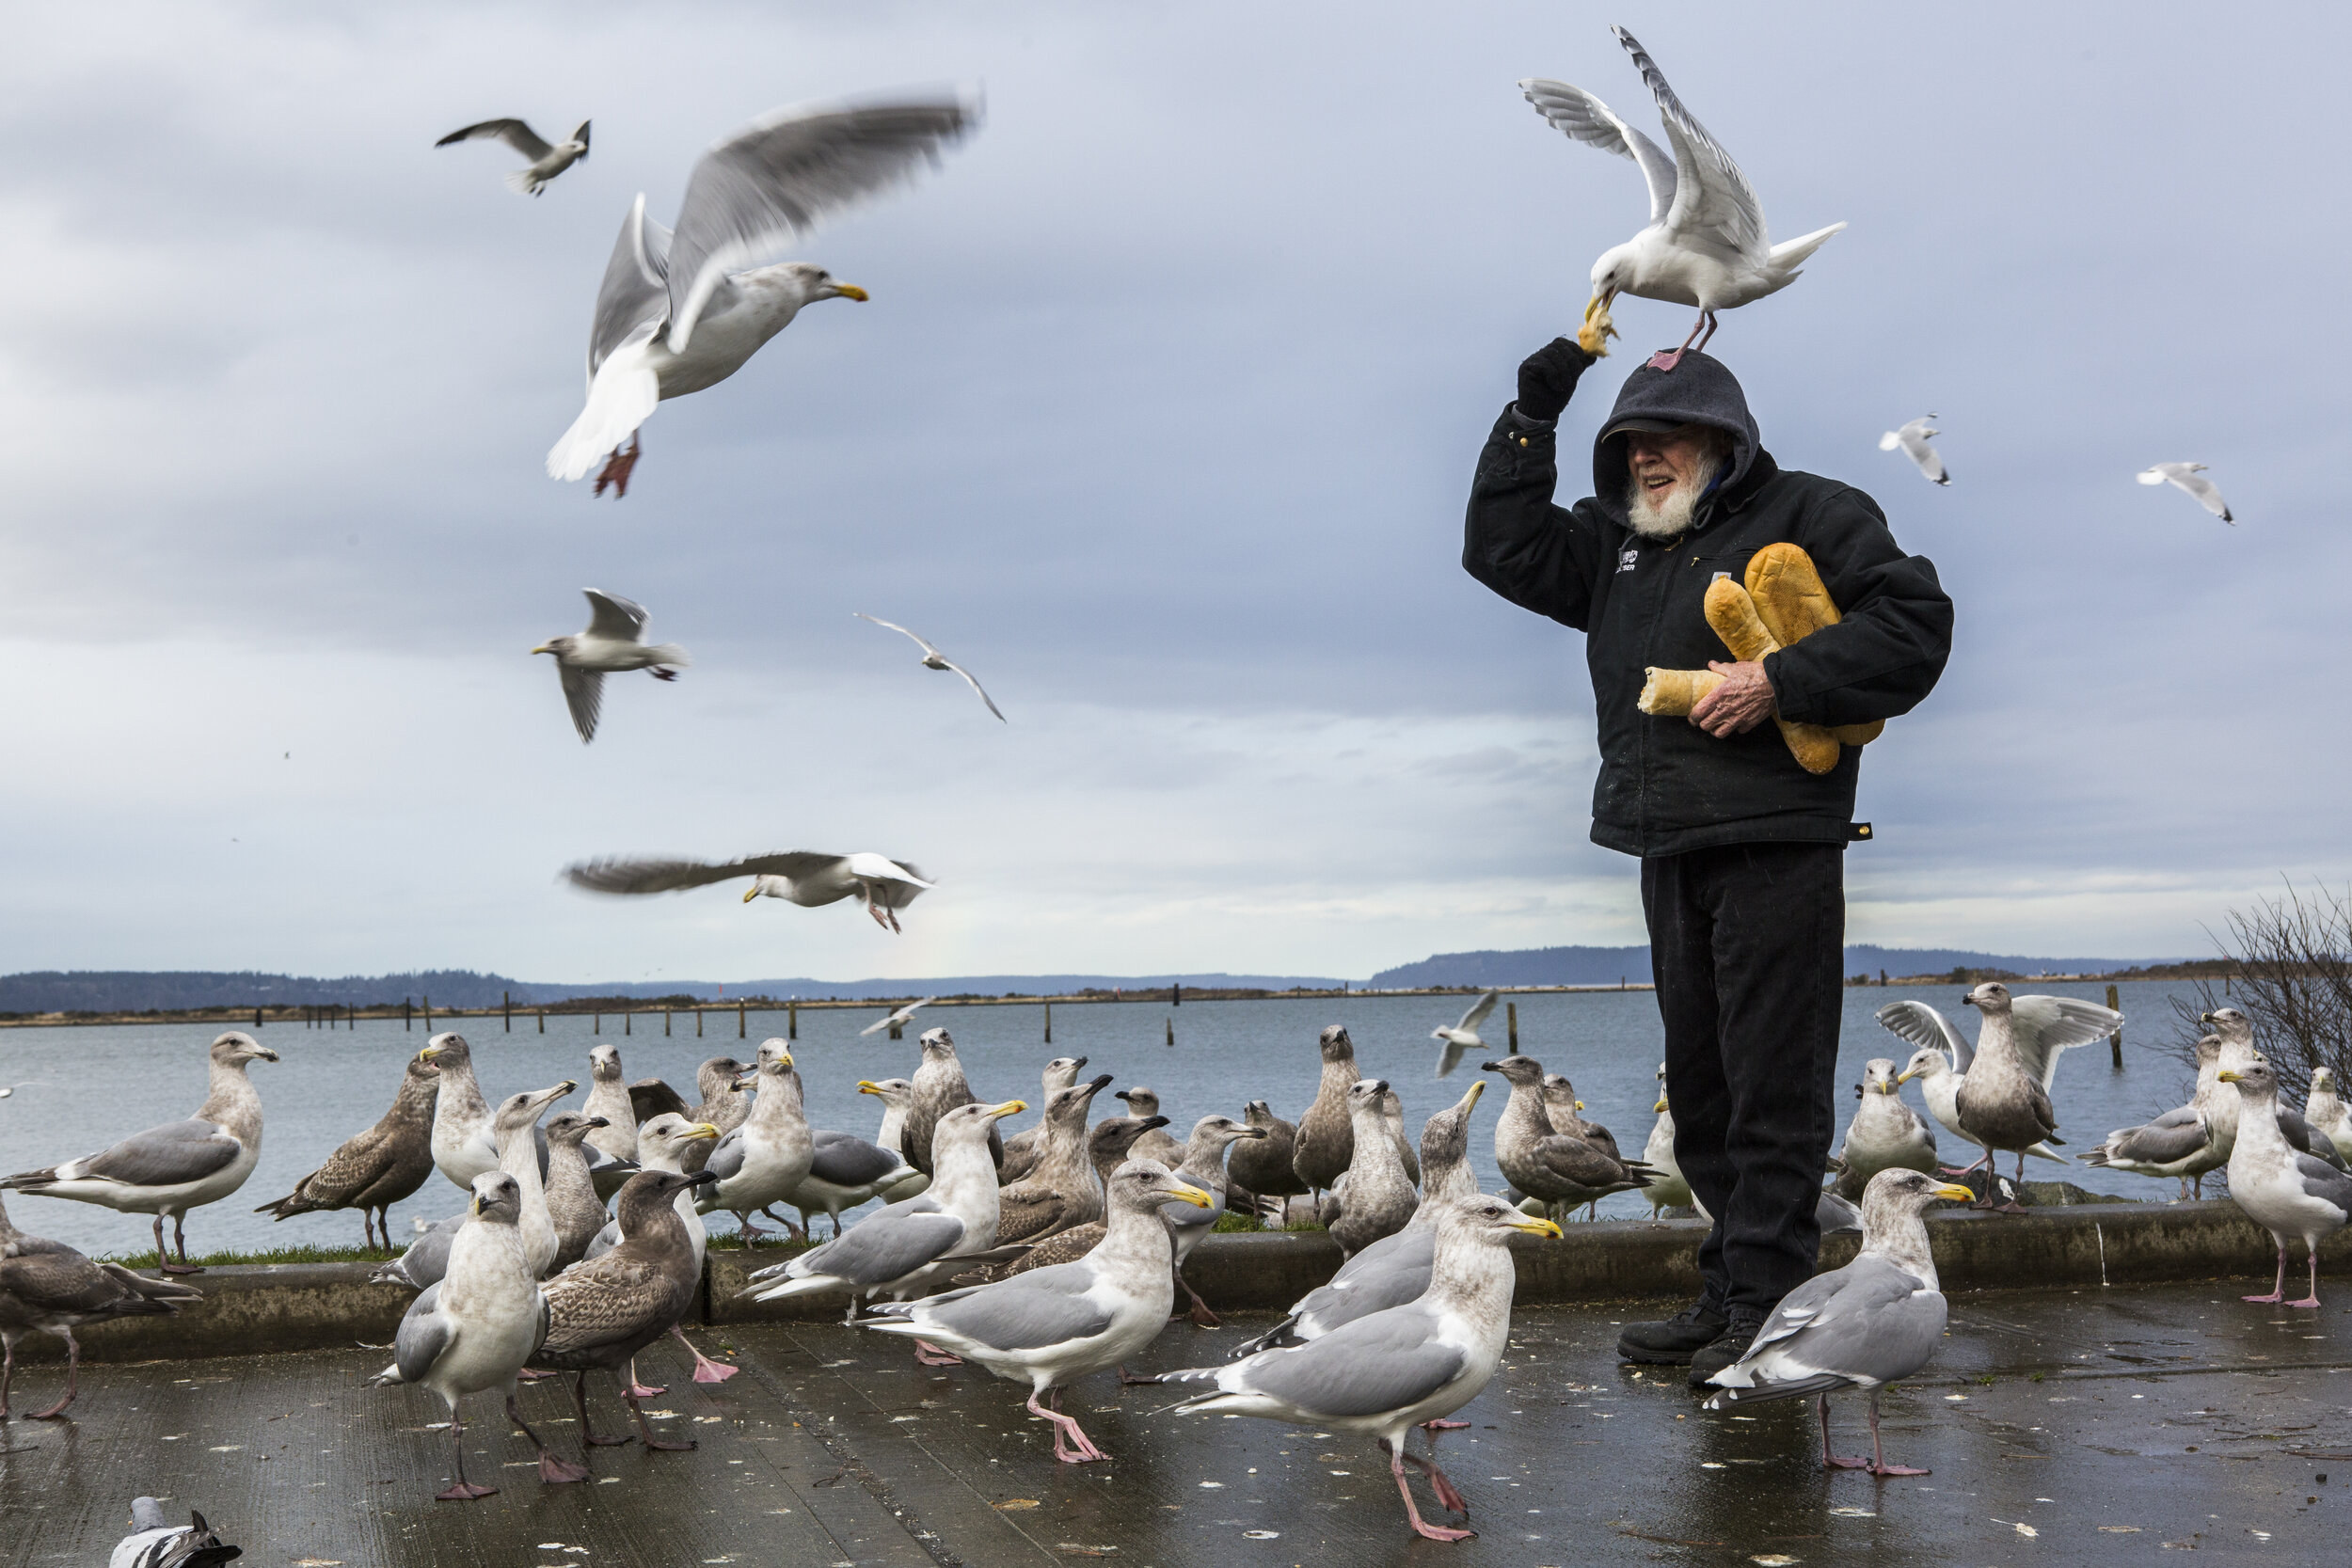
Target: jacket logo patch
{"type": "Point", "coordinates": [1627, 559]}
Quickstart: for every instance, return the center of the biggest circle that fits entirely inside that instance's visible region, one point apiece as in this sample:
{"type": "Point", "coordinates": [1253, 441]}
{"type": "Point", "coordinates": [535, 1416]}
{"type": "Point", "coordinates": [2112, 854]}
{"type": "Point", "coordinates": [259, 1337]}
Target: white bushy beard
{"type": "Point", "coordinates": [1670, 518]}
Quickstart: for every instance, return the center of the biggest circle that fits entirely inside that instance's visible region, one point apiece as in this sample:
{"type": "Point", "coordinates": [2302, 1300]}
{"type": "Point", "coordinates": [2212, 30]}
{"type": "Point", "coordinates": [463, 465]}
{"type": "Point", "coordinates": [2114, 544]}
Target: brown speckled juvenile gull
{"type": "Point", "coordinates": [375, 1169]}
{"type": "Point", "coordinates": [48, 1286]}
{"type": "Point", "coordinates": [1023, 1149]}
{"type": "Point", "coordinates": [1325, 1141]}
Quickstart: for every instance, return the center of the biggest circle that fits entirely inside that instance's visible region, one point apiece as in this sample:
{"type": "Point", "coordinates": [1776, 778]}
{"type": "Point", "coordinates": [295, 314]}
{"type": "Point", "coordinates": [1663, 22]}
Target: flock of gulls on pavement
{"type": "Point", "coordinates": [1059, 1253]}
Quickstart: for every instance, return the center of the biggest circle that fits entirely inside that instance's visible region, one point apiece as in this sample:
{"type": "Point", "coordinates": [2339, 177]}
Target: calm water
{"type": "Point", "coordinates": [106, 1082]}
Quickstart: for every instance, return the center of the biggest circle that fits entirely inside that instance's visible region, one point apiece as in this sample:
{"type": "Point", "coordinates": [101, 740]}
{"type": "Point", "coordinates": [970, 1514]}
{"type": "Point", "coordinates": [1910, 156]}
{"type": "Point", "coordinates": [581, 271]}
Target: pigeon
{"type": "Point", "coordinates": [933, 660]}
{"type": "Point", "coordinates": [546, 162]}
{"type": "Point", "coordinates": [1913, 438]}
{"type": "Point", "coordinates": [614, 641]}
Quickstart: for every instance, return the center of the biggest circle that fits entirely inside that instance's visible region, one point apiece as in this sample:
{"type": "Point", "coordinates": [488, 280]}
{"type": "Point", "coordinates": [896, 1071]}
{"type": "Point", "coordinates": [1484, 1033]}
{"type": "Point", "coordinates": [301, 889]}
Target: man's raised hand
{"type": "Point", "coordinates": [1548, 379]}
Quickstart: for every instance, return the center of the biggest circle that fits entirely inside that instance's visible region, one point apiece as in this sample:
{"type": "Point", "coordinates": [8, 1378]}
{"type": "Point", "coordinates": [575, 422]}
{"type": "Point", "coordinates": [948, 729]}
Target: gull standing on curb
{"type": "Point", "coordinates": [1391, 1371]}
{"type": "Point", "coordinates": [2188, 1142]}
{"type": "Point", "coordinates": [2285, 1190]}
{"type": "Point", "coordinates": [1706, 244]}
{"type": "Point", "coordinates": [1885, 1135]}
{"type": "Point", "coordinates": [766, 1159]}
{"type": "Point", "coordinates": [546, 162]}
{"type": "Point", "coordinates": [614, 641]}
{"type": "Point", "coordinates": [2041, 1029]}
{"type": "Point", "coordinates": [933, 660]}
{"type": "Point", "coordinates": [49, 1286]}
{"type": "Point", "coordinates": [1871, 1323]}
{"type": "Point", "coordinates": [375, 1169]}
{"type": "Point", "coordinates": [808, 877]}
{"type": "Point", "coordinates": [664, 1142]}
{"type": "Point", "coordinates": [181, 1165]}
{"type": "Point", "coordinates": [2325, 1112]}
{"type": "Point", "coordinates": [672, 315]}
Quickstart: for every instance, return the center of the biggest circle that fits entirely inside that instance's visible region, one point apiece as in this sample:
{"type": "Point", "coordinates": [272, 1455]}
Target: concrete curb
{"type": "Point", "coordinates": [316, 1306]}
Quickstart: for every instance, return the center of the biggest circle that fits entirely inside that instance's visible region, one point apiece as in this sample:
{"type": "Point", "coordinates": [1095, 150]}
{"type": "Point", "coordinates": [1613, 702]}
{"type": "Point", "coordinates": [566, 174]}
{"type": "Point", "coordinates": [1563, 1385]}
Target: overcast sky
{"type": "Point", "coordinates": [1161, 418]}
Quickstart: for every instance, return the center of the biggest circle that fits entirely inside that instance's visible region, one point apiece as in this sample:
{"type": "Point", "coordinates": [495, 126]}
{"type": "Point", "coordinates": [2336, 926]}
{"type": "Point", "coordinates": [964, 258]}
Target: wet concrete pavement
{"type": "Point", "coordinates": [2063, 1427]}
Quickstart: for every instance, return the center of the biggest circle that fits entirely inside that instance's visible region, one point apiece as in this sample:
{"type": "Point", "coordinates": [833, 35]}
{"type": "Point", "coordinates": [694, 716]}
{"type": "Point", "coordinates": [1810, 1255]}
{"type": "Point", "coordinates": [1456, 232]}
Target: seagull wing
{"type": "Point", "coordinates": [1035, 1310]}
{"type": "Point", "coordinates": [1712, 201]}
{"type": "Point", "coordinates": [615, 618]}
{"type": "Point", "coordinates": [775, 178]}
{"type": "Point", "coordinates": [902, 631]}
{"type": "Point", "coordinates": [2046, 1027]}
{"type": "Point", "coordinates": [976, 686]}
{"type": "Point", "coordinates": [422, 1336]}
{"type": "Point", "coordinates": [1868, 1323]}
{"type": "Point", "coordinates": [651, 1097]}
{"type": "Point", "coordinates": [166, 1156]}
{"type": "Point", "coordinates": [634, 298]}
{"type": "Point", "coordinates": [658, 874]}
{"type": "Point", "coordinates": [1913, 440]}
{"type": "Point", "coordinates": [584, 694]}
{"type": "Point", "coordinates": [1593, 122]}
{"type": "Point", "coordinates": [1921, 1025]}
{"type": "Point", "coordinates": [1478, 1011]}
{"type": "Point", "coordinates": [1383, 1361]}
{"type": "Point", "coordinates": [884, 1247]}
{"type": "Point", "coordinates": [849, 1162]}
{"type": "Point", "coordinates": [2207, 495]}
{"type": "Point", "coordinates": [514, 132]}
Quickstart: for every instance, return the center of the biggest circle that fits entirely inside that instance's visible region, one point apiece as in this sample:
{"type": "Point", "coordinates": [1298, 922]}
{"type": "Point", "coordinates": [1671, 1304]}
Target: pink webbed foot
{"type": "Point", "coordinates": [557, 1472]}
{"type": "Point", "coordinates": [617, 468]}
{"type": "Point", "coordinates": [52, 1413]}
{"type": "Point", "coordinates": [645, 1391]}
{"type": "Point", "coordinates": [1885, 1471]}
{"type": "Point", "coordinates": [2273, 1299]}
{"type": "Point", "coordinates": [1843, 1462]}
{"type": "Point", "coordinates": [931, 1356]}
{"type": "Point", "coordinates": [2309, 1304]}
{"type": "Point", "coordinates": [1664, 359]}
{"type": "Point", "coordinates": [532, 1374]}
{"type": "Point", "coordinates": [1444, 1426]}
{"type": "Point", "coordinates": [465, 1492]}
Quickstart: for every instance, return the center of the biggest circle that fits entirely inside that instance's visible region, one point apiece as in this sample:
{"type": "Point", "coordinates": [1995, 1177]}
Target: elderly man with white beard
{"type": "Point", "coordinates": [1741, 848]}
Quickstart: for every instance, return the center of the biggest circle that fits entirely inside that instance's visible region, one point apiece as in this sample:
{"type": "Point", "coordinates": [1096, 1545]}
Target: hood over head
{"type": "Point", "coordinates": [1699, 390]}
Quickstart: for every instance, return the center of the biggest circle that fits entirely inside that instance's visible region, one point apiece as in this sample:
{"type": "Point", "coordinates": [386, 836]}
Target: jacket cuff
{"type": "Point", "coordinates": [1526, 424]}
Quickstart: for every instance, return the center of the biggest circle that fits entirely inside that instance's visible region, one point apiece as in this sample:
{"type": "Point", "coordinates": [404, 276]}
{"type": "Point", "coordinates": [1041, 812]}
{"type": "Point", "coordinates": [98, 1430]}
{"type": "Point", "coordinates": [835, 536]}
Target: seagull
{"type": "Point", "coordinates": [546, 162]}
{"type": "Point", "coordinates": [2282, 1189]}
{"type": "Point", "coordinates": [375, 1169]}
{"type": "Point", "coordinates": [673, 316]}
{"type": "Point", "coordinates": [2043, 1027]}
{"type": "Point", "coordinates": [1885, 1134]}
{"type": "Point", "coordinates": [766, 1159]}
{"type": "Point", "coordinates": [2188, 477]}
{"type": "Point", "coordinates": [901, 1016]}
{"type": "Point", "coordinates": [1023, 1149]}
{"type": "Point", "coordinates": [155, 1541]}
{"type": "Point", "coordinates": [845, 1170]}
{"type": "Point", "coordinates": [2325, 1112]}
{"type": "Point", "coordinates": [1463, 1036]}
{"type": "Point", "coordinates": [1706, 244]}
{"type": "Point", "coordinates": [808, 877]}
{"type": "Point", "coordinates": [933, 660]}
{"type": "Point", "coordinates": [1863, 1326]}
{"type": "Point", "coordinates": [178, 1166]}
{"type": "Point", "coordinates": [49, 1286]}
{"type": "Point", "coordinates": [1390, 1370]}
{"type": "Point", "coordinates": [614, 641]}
{"type": "Point", "coordinates": [1668, 1189]}
{"type": "Point", "coordinates": [1913, 438]}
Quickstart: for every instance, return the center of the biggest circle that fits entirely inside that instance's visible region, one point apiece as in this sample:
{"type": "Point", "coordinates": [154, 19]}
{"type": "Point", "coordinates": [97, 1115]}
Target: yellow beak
{"type": "Point", "coordinates": [475, 1206]}
{"type": "Point", "coordinates": [543, 648]}
{"type": "Point", "coordinates": [1010, 1108]}
{"type": "Point", "coordinates": [1545, 1227]}
{"type": "Point", "coordinates": [1193, 1196]}
{"type": "Point", "coordinates": [850, 290]}
{"type": "Point", "coordinates": [2228, 1075]}
{"type": "Point", "coordinates": [1957, 1194]}
{"type": "Point", "coordinates": [1579, 1104]}
{"type": "Point", "coordinates": [428, 1053]}
{"type": "Point", "coordinates": [751, 893]}
{"type": "Point", "coordinates": [700, 1131]}
{"type": "Point", "coordinates": [784, 1058]}
{"type": "Point", "coordinates": [1660, 1106]}
{"type": "Point", "coordinates": [1902, 1078]}
{"type": "Point", "coordinates": [867, 1086]}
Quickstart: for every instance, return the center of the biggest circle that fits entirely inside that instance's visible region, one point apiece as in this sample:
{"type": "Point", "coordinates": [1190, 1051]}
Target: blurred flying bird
{"type": "Point", "coordinates": [804, 877]}
{"type": "Point", "coordinates": [933, 659]}
{"type": "Point", "coordinates": [1913, 438]}
{"type": "Point", "coordinates": [2190, 477]}
{"type": "Point", "coordinates": [614, 641]}
{"type": "Point", "coordinates": [546, 162]}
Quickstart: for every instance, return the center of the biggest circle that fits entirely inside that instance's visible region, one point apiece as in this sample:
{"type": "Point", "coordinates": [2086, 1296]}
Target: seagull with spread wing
{"type": "Point", "coordinates": [900, 1017]}
{"type": "Point", "coordinates": [804, 877]}
{"type": "Point", "coordinates": [1463, 1036]}
{"type": "Point", "coordinates": [2190, 479]}
{"type": "Point", "coordinates": [674, 315]}
{"type": "Point", "coordinates": [1913, 438]}
{"type": "Point", "coordinates": [546, 161]}
{"type": "Point", "coordinates": [2044, 1028]}
{"type": "Point", "coordinates": [614, 641]}
{"type": "Point", "coordinates": [1706, 244]}
{"type": "Point", "coordinates": [934, 660]}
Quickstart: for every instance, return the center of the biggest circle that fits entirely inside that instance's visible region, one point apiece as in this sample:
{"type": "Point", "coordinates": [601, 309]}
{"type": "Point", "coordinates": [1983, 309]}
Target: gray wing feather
{"type": "Point", "coordinates": [849, 1162]}
{"type": "Point", "coordinates": [2045, 1027]}
{"type": "Point", "coordinates": [2323, 1181]}
{"type": "Point", "coordinates": [1712, 200]}
{"type": "Point", "coordinates": [884, 1247]}
{"type": "Point", "coordinates": [1385, 1361]}
{"type": "Point", "coordinates": [1580, 114]}
{"type": "Point", "coordinates": [610, 615]}
{"type": "Point", "coordinates": [1391, 1272]}
{"type": "Point", "coordinates": [775, 178]}
{"type": "Point", "coordinates": [726, 1156]}
{"type": "Point", "coordinates": [423, 1336]}
{"type": "Point", "coordinates": [514, 132]}
{"type": "Point", "coordinates": [2297, 1132]}
{"type": "Point", "coordinates": [166, 1156]}
{"type": "Point", "coordinates": [658, 874]}
{"type": "Point", "coordinates": [634, 298]}
{"type": "Point", "coordinates": [1029, 1311]}
{"type": "Point", "coordinates": [584, 694]}
{"type": "Point", "coordinates": [2172, 1136]}
{"type": "Point", "coordinates": [1917, 1024]}
{"type": "Point", "coordinates": [1867, 1321]}
{"type": "Point", "coordinates": [427, 1257]}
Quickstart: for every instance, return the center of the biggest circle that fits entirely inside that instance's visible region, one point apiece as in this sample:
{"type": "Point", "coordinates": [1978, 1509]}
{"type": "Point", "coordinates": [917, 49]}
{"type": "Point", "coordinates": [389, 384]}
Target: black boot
{"type": "Point", "coordinates": [1727, 1347]}
{"type": "Point", "coordinates": [1673, 1341]}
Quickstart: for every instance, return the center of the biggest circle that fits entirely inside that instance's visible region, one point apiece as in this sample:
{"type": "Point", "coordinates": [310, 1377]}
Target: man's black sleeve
{"type": "Point", "coordinates": [1540, 556]}
{"type": "Point", "coordinates": [1885, 654]}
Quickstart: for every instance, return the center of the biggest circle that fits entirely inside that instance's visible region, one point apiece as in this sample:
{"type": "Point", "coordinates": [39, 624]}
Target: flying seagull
{"type": "Point", "coordinates": [2190, 477]}
{"type": "Point", "coordinates": [614, 641]}
{"type": "Point", "coordinates": [1463, 1035]}
{"type": "Point", "coordinates": [933, 659]}
{"type": "Point", "coordinates": [1706, 244]}
{"type": "Point", "coordinates": [546, 162]}
{"type": "Point", "coordinates": [1913, 438]}
{"type": "Point", "coordinates": [804, 877]}
{"type": "Point", "coordinates": [901, 1016]}
{"type": "Point", "coordinates": [674, 315]}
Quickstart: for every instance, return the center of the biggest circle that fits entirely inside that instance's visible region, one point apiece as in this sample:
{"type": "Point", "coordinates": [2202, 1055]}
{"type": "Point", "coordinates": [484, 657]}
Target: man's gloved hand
{"type": "Point", "coordinates": [1548, 379]}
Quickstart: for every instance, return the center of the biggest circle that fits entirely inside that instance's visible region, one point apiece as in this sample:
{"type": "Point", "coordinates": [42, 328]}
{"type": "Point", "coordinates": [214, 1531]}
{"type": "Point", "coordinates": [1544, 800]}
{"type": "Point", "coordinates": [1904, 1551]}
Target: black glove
{"type": "Point", "coordinates": [1548, 379]}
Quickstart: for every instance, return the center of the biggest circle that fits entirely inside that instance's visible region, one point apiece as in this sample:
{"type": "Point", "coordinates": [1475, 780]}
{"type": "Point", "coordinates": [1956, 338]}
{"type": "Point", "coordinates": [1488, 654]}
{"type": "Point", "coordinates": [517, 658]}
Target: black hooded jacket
{"type": "Point", "coordinates": [1665, 784]}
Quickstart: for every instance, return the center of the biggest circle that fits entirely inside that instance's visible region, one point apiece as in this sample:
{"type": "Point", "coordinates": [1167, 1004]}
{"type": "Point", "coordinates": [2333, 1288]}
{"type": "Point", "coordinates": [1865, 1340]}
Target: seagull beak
{"type": "Point", "coordinates": [428, 1053]}
{"type": "Point", "coordinates": [543, 648]}
{"type": "Point", "coordinates": [1660, 1106]}
{"type": "Point", "coordinates": [1534, 1227]}
{"type": "Point", "coordinates": [850, 290]}
{"type": "Point", "coordinates": [866, 1086]}
{"type": "Point", "coordinates": [1010, 1108]}
{"type": "Point", "coordinates": [1579, 1104]}
{"type": "Point", "coordinates": [2228, 1075]}
{"type": "Point", "coordinates": [1193, 1196]}
{"type": "Point", "coordinates": [1956, 1193]}
{"type": "Point", "coordinates": [266, 1053]}
{"type": "Point", "coordinates": [746, 1078]}
{"type": "Point", "coordinates": [475, 1206]}
{"type": "Point", "coordinates": [700, 1131]}
{"type": "Point", "coordinates": [1905, 1077]}
{"type": "Point", "coordinates": [751, 893]}
{"type": "Point", "coordinates": [2204, 1018]}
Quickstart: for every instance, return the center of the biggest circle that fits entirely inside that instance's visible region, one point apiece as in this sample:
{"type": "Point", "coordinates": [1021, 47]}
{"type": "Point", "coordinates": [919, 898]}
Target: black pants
{"type": "Point", "coordinates": [1747, 943]}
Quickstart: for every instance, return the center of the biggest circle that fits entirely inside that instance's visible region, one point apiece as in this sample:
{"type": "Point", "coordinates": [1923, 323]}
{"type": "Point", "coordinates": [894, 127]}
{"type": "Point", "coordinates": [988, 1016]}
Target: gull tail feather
{"type": "Point", "coordinates": [671, 654]}
{"type": "Point", "coordinates": [1280, 1337]}
{"type": "Point", "coordinates": [1764, 1393]}
{"type": "Point", "coordinates": [621, 398]}
{"type": "Point", "coordinates": [1790, 254]}
{"type": "Point", "coordinates": [523, 182]}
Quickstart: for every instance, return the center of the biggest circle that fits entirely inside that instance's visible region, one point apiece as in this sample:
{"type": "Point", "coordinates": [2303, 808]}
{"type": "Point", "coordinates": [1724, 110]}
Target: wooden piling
{"type": "Point", "coordinates": [2115, 1042]}
{"type": "Point", "coordinates": [1171, 1029]}
{"type": "Point", "coordinates": [793, 1021]}
{"type": "Point", "coordinates": [698, 1023]}
{"type": "Point", "coordinates": [626, 1019]}
{"type": "Point", "coordinates": [506, 1009]}
{"type": "Point", "coordinates": [665, 1023]}
{"type": "Point", "coordinates": [739, 1024]}
{"type": "Point", "coordinates": [1511, 1013]}
{"type": "Point", "coordinates": [543, 1021]}
{"type": "Point", "coordinates": [404, 1015]}
{"type": "Point", "coordinates": [428, 1015]}
{"type": "Point", "coordinates": [257, 1015]}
